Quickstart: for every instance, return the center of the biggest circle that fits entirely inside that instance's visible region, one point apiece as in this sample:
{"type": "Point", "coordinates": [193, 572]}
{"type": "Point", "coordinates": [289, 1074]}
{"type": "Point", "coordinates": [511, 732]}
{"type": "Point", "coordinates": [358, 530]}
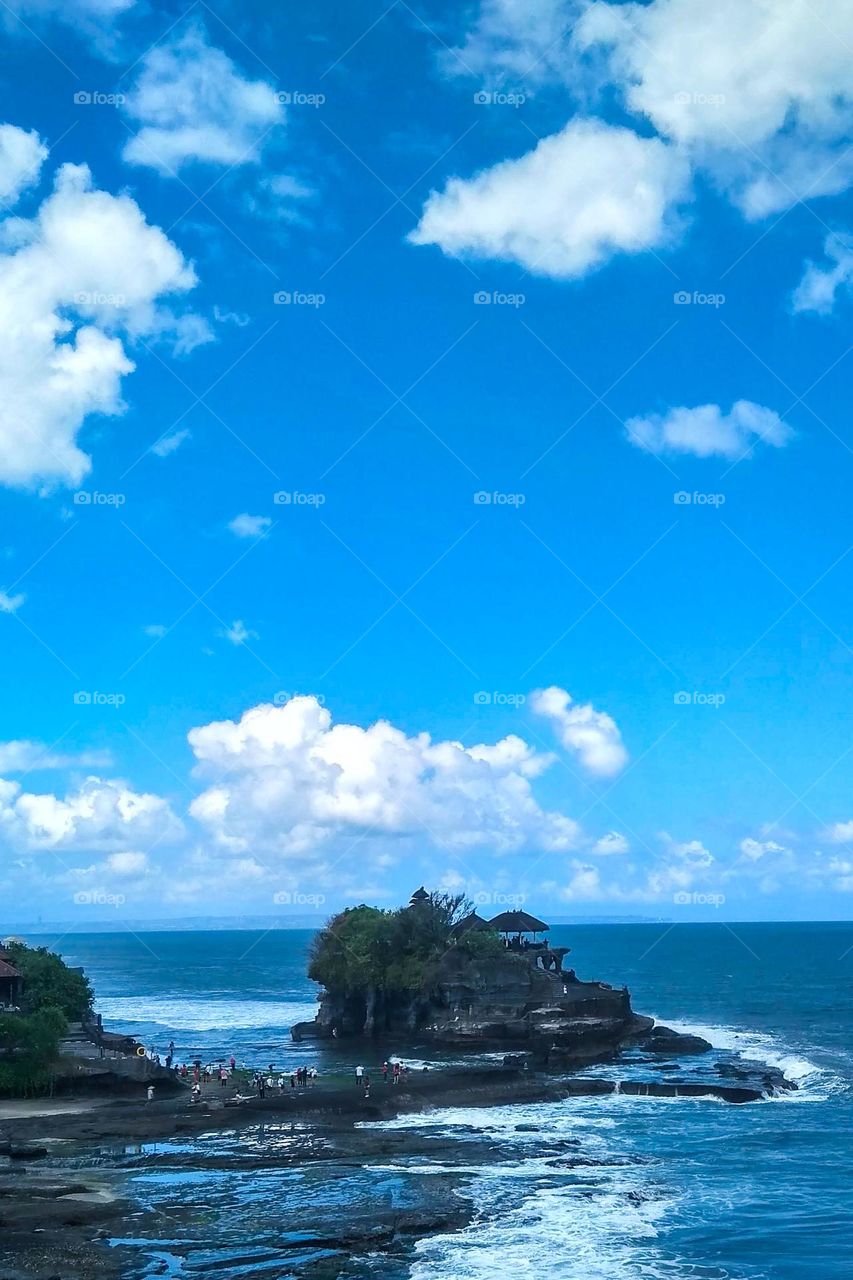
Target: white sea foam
{"type": "Point", "coordinates": [813, 1081]}
{"type": "Point", "coordinates": [605, 1227]}
{"type": "Point", "coordinates": [208, 1013]}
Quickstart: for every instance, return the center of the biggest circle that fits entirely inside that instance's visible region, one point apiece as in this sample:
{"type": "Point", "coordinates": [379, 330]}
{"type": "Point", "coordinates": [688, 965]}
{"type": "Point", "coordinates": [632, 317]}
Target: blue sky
{"type": "Point", "coordinates": [425, 456]}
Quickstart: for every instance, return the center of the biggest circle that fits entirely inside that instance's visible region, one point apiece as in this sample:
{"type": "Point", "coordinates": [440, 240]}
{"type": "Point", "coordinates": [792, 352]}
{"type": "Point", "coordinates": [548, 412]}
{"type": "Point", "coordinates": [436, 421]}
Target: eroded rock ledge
{"type": "Point", "coordinates": [504, 1001]}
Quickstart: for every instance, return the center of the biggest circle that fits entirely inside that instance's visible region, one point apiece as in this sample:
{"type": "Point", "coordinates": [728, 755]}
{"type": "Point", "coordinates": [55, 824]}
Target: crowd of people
{"type": "Point", "coordinates": [263, 1082]}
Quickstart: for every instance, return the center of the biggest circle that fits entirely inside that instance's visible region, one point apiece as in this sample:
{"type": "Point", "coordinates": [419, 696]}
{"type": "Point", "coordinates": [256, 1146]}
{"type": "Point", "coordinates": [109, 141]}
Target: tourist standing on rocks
{"type": "Point", "coordinates": [396, 1073]}
{"type": "Point", "coordinates": [359, 1075]}
{"type": "Point", "coordinates": [366, 1086]}
{"type": "Point", "coordinates": [385, 1072]}
{"type": "Point", "coordinates": [150, 1093]}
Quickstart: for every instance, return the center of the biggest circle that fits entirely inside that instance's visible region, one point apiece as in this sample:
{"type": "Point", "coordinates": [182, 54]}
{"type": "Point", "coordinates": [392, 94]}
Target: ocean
{"type": "Point", "coordinates": [654, 1189]}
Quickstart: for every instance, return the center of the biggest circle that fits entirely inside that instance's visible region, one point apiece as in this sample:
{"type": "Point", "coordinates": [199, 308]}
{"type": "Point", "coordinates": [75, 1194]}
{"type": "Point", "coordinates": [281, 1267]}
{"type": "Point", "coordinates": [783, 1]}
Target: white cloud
{"type": "Point", "coordinates": [102, 815]}
{"type": "Point", "coordinates": [156, 630]}
{"type": "Point", "coordinates": [190, 331]}
{"type": "Point", "coordinates": [167, 445]}
{"type": "Point", "coordinates": [706, 431]}
{"type": "Point", "coordinates": [287, 782]}
{"type": "Point", "coordinates": [841, 832]}
{"type": "Point", "coordinates": [612, 842]}
{"type": "Point", "coordinates": [10, 604]}
{"type": "Point", "coordinates": [22, 755]}
{"type": "Point", "coordinates": [579, 197]}
{"type": "Point", "coordinates": [127, 863]}
{"type": "Point", "coordinates": [86, 270]}
{"type": "Point", "coordinates": [192, 104]}
{"type": "Point", "coordinates": [71, 10]}
{"type": "Point", "coordinates": [22, 155]}
{"type": "Point", "coordinates": [238, 633]}
{"type": "Point", "coordinates": [525, 39]}
{"type": "Point", "coordinates": [754, 850]}
{"type": "Point", "coordinates": [246, 526]}
{"type": "Point", "coordinates": [591, 735]}
{"type": "Point", "coordinates": [584, 883]}
{"type": "Point", "coordinates": [758, 91]}
{"type": "Point", "coordinates": [818, 289]}
{"type": "Point", "coordinates": [754, 94]}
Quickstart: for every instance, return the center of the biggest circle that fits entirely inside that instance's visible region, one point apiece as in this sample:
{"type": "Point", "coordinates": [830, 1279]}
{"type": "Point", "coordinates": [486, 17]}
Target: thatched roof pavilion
{"type": "Point", "coordinates": [469, 922]}
{"type": "Point", "coordinates": [518, 922]}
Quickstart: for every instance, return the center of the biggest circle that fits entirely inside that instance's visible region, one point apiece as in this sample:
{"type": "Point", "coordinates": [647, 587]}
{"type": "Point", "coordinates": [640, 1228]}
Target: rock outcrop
{"type": "Point", "coordinates": [499, 1002]}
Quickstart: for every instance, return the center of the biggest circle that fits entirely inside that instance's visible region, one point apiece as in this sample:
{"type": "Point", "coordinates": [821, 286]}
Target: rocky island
{"type": "Point", "coordinates": [436, 973]}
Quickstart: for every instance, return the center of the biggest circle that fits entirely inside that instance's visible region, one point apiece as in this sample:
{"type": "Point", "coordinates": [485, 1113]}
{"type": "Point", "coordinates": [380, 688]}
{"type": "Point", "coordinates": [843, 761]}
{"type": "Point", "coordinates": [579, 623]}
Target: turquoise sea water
{"type": "Point", "coordinates": [676, 1189]}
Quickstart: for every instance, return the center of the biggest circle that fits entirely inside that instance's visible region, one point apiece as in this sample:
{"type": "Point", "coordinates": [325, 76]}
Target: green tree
{"type": "Point", "coordinates": [50, 983]}
{"type": "Point", "coordinates": [29, 1047]}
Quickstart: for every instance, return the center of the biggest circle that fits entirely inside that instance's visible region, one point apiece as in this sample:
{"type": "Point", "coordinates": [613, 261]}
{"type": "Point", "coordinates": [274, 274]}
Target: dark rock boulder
{"type": "Point", "coordinates": [666, 1041]}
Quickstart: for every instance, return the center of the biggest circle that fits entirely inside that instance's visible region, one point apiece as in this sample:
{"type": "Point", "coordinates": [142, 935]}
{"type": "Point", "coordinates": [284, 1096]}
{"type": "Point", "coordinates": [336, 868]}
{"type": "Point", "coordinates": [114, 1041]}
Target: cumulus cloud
{"type": "Point", "coordinates": [706, 431]}
{"type": "Point", "coordinates": [192, 104]}
{"type": "Point", "coordinates": [841, 832]}
{"type": "Point", "coordinates": [246, 526]}
{"type": "Point", "coordinates": [612, 842]}
{"type": "Point", "coordinates": [286, 781]}
{"type": "Point", "coordinates": [584, 883]}
{"type": "Point", "coordinates": [579, 197]}
{"type": "Point", "coordinates": [754, 94]}
{"type": "Point", "coordinates": [758, 92]}
{"type": "Point", "coordinates": [593, 736]}
{"type": "Point", "coordinates": [85, 272]}
{"type": "Point", "coordinates": [754, 850]}
{"type": "Point", "coordinates": [819, 287]}
{"type": "Point", "coordinates": [22, 155]}
{"type": "Point", "coordinates": [101, 815]}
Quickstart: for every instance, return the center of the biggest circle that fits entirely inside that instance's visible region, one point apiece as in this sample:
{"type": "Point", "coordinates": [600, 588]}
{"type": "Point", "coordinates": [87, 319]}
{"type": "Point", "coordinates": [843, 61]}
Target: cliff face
{"type": "Point", "coordinates": [500, 1002]}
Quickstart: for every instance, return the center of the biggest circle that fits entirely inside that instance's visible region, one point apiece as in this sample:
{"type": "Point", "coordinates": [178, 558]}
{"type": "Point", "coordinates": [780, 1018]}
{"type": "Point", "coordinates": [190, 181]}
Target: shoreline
{"type": "Point", "coordinates": [94, 1118]}
{"type": "Point", "coordinates": [83, 1221]}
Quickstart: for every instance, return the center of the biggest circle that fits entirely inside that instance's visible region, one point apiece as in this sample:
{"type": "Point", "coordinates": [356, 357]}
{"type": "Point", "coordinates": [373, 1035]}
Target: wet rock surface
{"type": "Point", "coordinates": [309, 1179]}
